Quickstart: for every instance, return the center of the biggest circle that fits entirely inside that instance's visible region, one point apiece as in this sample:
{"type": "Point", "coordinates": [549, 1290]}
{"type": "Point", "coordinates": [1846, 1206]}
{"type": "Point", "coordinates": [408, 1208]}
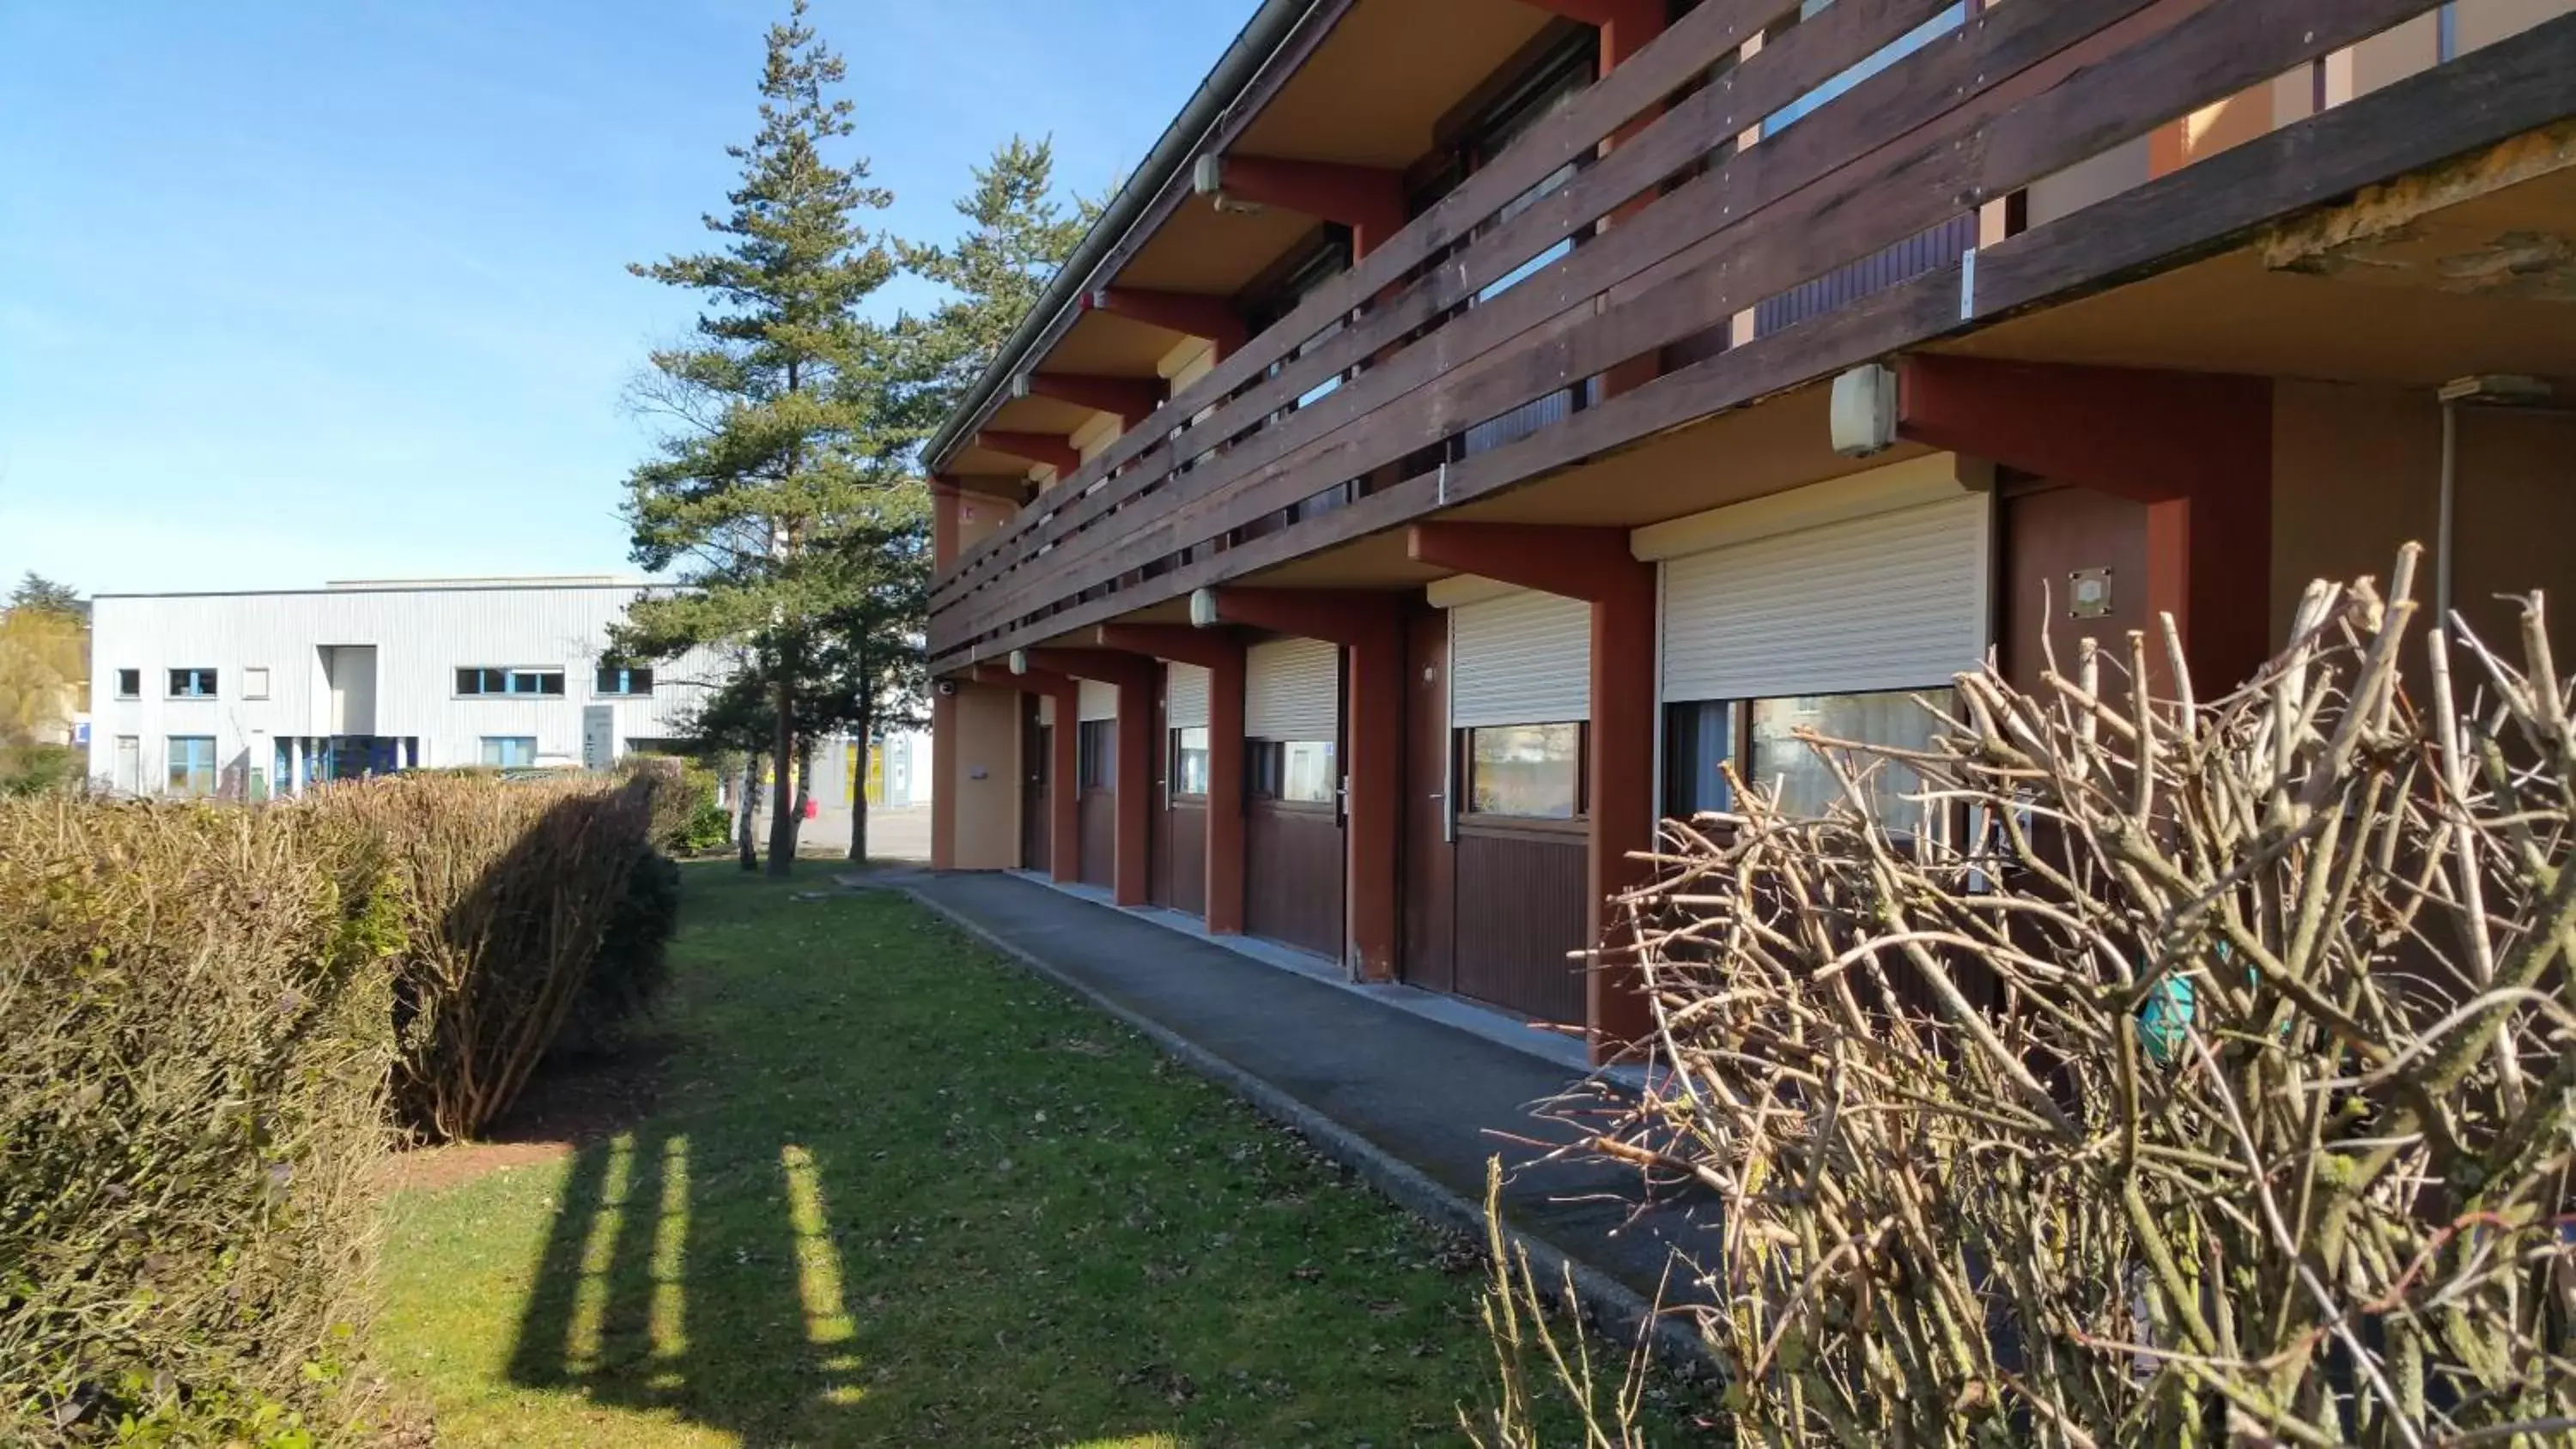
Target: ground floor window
{"type": "Point", "coordinates": [1531, 771]}
{"type": "Point", "coordinates": [1699, 743]}
{"type": "Point", "coordinates": [1296, 772]}
{"type": "Point", "coordinates": [1806, 786]}
{"type": "Point", "coordinates": [192, 764]}
{"type": "Point", "coordinates": [510, 751]}
{"type": "Point", "coordinates": [1190, 761]}
{"type": "Point", "coordinates": [1759, 737]}
{"type": "Point", "coordinates": [1096, 755]}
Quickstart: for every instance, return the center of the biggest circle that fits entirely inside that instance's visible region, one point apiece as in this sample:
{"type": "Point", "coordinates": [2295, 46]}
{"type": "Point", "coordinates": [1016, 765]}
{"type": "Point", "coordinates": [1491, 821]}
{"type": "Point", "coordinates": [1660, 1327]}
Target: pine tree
{"type": "Point", "coordinates": [1020, 235]}
{"type": "Point", "coordinates": [42, 594]}
{"type": "Point", "coordinates": [781, 458]}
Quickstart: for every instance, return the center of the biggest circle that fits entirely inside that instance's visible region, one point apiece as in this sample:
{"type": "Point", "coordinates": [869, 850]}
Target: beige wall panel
{"type": "Point", "coordinates": [988, 808]}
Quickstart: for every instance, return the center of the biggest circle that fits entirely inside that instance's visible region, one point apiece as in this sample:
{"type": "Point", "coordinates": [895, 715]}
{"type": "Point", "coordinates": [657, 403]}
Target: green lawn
{"type": "Point", "coordinates": [899, 1192]}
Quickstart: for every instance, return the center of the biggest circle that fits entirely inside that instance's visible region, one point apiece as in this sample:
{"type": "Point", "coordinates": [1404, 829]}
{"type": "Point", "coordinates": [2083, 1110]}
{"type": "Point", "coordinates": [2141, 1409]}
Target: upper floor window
{"type": "Point", "coordinates": [619, 679]}
{"type": "Point", "coordinates": [129, 684]}
{"type": "Point", "coordinates": [255, 682]}
{"type": "Point", "coordinates": [192, 684]}
{"type": "Point", "coordinates": [479, 682]}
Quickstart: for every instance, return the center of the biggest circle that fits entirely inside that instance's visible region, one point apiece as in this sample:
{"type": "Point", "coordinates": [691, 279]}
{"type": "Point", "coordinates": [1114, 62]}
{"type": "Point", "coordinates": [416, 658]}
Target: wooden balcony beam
{"type": "Point", "coordinates": [1367, 199]}
{"type": "Point", "coordinates": [1189, 313]}
{"type": "Point", "coordinates": [1130, 399]}
{"type": "Point", "coordinates": [1044, 448]}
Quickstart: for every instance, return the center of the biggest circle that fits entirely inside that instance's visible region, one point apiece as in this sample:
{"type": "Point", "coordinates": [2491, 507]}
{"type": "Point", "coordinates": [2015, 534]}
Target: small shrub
{"type": "Point", "coordinates": [36, 769]}
{"type": "Point", "coordinates": [192, 1077]}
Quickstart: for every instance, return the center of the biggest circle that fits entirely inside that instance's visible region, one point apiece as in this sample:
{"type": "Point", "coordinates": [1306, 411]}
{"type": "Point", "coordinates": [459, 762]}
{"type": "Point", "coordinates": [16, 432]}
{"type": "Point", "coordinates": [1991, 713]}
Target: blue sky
{"type": "Point", "coordinates": [294, 292]}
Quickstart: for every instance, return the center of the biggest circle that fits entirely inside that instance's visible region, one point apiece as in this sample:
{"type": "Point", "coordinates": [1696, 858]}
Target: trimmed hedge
{"type": "Point", "coordinates": [209, 1010]}
{"type": "Point", "coordinates": [192, 1081]}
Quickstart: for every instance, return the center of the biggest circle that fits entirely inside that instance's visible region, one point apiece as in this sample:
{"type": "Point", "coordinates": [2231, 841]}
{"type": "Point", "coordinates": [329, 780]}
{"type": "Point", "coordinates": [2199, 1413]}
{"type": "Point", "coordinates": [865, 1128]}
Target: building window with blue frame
{"type": "Point", "coordinates": [192, 764]}
{"type": "Point", "coordinates": [480, 683]}
{"type": "Point", "coordinates": [192, 684]}
{"type": "Point", "coordinates": [510, 751]}
{"type": "Point", "coordinates": [623, 681]}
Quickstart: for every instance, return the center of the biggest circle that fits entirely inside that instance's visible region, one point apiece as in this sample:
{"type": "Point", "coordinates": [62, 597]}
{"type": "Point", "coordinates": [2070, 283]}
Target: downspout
{"type": "Point", "coordinates": [1242, 63]}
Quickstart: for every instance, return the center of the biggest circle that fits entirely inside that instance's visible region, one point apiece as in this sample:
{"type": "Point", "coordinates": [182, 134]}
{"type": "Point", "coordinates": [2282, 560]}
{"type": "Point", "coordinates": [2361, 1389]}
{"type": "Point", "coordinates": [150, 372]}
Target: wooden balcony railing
{"type": "Point", "coordinates": [1676, 229]}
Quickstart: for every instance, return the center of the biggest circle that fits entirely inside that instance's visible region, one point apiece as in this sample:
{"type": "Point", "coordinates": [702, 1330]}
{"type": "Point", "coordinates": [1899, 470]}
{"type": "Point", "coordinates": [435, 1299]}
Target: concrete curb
{"type": "Point", "coordinates": [1619, 1310]}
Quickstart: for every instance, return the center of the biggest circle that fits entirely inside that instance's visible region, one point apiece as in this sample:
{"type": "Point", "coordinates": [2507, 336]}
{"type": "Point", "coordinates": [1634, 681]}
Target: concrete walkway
{"type": "Point", "coordinates": [1415, 1104]}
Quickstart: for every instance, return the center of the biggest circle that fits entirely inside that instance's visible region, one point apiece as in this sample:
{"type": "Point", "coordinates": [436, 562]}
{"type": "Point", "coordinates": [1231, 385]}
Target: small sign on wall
{"type": "Point", "coordinates": [2088, 593]}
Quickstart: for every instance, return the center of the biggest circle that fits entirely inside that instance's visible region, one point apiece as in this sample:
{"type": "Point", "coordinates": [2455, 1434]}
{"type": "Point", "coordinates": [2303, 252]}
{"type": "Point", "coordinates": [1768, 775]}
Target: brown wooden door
{"type": "Point", "coordinates": [1430, 860]}
{"type": "Point", "coordinates": [1521, 893]}
{"type": "Point", "coordinates": [1097, 802]}
{"type": "Point", "coordinates": [1036, 749]}
{"type": "Point", "coordinates": [2056, 540]}
{"type": "Point", "coordinates": [1292, 880]}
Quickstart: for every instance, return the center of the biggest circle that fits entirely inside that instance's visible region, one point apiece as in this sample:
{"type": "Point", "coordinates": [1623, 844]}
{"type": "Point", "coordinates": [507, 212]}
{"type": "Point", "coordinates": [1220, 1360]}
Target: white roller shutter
{"type": "Point", "coordinates": [1098, 701]}
{"type": "Point", "coordinates": [1185, 697]}
{"type": "Point", "coordinates": [1046, 709]}
{"type": "Point", "coordinates": [1524, 658]}
{"type": "Point", "coordinates": [1891, 601]}
{"type": "Point", "coordinates": [1292, 690]}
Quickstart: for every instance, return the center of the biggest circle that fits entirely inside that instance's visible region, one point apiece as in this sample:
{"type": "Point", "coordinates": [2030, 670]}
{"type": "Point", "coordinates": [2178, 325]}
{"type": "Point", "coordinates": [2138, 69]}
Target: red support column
{"type": "Point", "coordinates": [2196, 448]}
{"type": "Point", "coordinates": [1225, 827]}
{"type": "Point", "coordinates": [1131, 874]}
{"type": "Point", "coordinates": [1370, 626]}
{"type": "Point", "coordinates": [1594, 565]}
{"type": "Point", "coordinates": [1220, 653]}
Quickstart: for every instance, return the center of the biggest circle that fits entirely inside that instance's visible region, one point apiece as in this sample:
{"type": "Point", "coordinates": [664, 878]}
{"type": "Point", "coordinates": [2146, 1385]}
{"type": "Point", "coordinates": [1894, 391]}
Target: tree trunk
{"type": "Point", "coordinates": [750, 809]}
{"type": "Point", "coordinates": [864, 730]}
{"type": "Point", "coordinates": [782, 801]}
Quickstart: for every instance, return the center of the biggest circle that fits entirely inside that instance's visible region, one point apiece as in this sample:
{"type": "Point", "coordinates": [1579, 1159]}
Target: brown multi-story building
{"type": "Point", "coordinates": [1479, 419]}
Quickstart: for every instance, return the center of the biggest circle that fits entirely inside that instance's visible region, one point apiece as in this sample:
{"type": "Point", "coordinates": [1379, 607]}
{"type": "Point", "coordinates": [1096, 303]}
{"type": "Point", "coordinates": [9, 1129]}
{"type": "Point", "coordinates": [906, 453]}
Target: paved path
{"type": "Point", "coordinates": [1434, 1098]}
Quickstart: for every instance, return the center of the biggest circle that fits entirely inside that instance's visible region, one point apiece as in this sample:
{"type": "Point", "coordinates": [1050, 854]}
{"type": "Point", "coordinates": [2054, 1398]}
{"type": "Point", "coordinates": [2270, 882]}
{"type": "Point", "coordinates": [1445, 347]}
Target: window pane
{"type": "Point", "coordinates": [1190, 761]}
{"type": "Point", "coordinates": [1697, 745]}
{"type": "Point", "coordinates": [192, 765]}
{"type": "Point", "coordinates": [129, 682]}
{"type": "Point", "coordinates": [1527, 770]}
{"type": "Point", "coordinates": [1306, 773]}
{"type": "Point", "coordinates": [1806, 786]}
{"type": "Point", "coordinates": [510, 751]}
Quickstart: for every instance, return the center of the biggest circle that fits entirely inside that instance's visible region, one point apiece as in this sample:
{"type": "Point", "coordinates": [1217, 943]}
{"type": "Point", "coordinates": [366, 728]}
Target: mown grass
{"type": "Point", "coordinates": [899, 1192]}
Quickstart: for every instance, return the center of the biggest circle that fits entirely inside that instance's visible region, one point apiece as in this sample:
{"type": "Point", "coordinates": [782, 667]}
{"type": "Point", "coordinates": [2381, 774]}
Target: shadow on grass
{"type": "Point", "coordinates": [893, 1192]}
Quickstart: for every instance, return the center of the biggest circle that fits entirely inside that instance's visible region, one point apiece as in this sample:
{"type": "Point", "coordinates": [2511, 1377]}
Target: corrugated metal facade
{"type": "Point", "coordinates": [417, 637]}
{"type": "Point", "coordinates": [1292, 690]}
{"type": "Point", "coordinates": [1893, 601]}
{"type": "Point", "coordinates": [1524, 658]}
{"type": "Point", "coordinates": [1185, 697]}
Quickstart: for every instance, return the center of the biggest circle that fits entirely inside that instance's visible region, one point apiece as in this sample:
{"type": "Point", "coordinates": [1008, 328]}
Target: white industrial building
{"type": "Point", "coordinates": [252, 694]}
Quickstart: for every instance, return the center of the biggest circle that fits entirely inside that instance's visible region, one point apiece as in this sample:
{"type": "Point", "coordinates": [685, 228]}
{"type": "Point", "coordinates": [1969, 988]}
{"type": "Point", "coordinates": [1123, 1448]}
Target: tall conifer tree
{"type": "Point", "coordinates": [782, 464]}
